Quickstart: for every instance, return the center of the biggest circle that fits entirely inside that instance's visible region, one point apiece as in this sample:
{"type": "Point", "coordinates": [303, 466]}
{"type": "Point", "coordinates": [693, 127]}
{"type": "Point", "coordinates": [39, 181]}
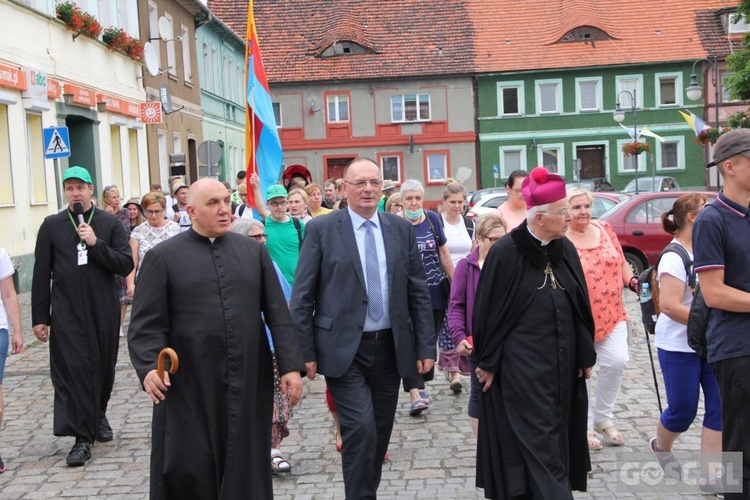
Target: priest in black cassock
{"type": "Point", "coordinates": [534, 342]}
{"type": "Point", "coordinates": [81, 310]}
{"type": "Point", "coordinates": [202, 293]}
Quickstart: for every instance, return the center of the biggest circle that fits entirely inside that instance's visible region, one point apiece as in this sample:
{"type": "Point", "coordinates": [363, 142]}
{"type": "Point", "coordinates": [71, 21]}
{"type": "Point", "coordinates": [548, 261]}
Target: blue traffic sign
{"type": "Point", "coordinates": [496, 168]}
{"type": "Point", "coordinates": [56, 142]}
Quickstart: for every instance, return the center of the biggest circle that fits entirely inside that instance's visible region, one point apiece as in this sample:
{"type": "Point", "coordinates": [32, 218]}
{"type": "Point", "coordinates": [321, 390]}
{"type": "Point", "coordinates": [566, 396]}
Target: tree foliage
{"type": "Point", "coordinates": [738, 84]}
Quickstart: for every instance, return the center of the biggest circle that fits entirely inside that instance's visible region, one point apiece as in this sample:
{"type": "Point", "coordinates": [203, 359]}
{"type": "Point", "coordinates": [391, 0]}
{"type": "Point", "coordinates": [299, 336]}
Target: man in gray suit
{"type": "Point", "coordinates": [364, 316]}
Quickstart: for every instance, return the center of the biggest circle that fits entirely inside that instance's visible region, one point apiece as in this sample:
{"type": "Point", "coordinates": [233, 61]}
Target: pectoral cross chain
{"type": "Point", "coordinates": [549, 274]}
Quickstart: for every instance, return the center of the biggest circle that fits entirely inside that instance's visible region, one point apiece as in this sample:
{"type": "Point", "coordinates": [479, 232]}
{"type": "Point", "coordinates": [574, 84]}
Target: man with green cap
{"type": "Point", "coordinates": [80, 249]}
{"type": "Point", "coordinates": [284, 232]}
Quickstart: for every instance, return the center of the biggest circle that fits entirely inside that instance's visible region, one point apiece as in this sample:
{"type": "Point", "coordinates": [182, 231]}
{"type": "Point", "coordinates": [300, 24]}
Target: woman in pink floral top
{"type": "Point", "coordinates": [606, 272]}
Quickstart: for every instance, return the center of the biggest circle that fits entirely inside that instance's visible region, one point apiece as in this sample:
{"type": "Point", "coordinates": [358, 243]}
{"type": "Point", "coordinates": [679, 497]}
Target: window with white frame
{"type": "Point", "coordinates": [625, 163]}
{"type": "Point", "coordinates": [390, 166]}
{"type": "Point", "coordinates": [7, 196]}
{"type": "Point", "coordinates": [737, 23]}
{"type": "Point", "coordinates": [338, 108]}
{"type": "Point", "coordinates": [627, 86]}
{"type": "Point", "coordinates": [512, 158]}
{"type": "Point", "coordinates": [725, 95]}
{"type": "Point", "coordinates": [186, 64]}
{"type": "Point", "coordinates": [37, 170]}
{"type": "Point", "coordinates": [277, 113]}
{"type": "Point", "coordinates": [437, 167]}
{"type": "Point", "coordinates": [669, 89]}
{"type": "Point", "coordinates": [108, 13]}
{"type": "Point", "coordinates": [548, 96]}
{"type": "Point", "coordinates": [240, 82]}
{"type": "Point", "coordinates": [127, 15]}
{"type": "Point", "coordinates": [161, 143]}
{"type": "Point", "coordinates": [588, 94]}
{"type": "Point", "coordinates": [510, 100]}
{"type": "Point", "coordinates": [207, 71]}
{"type": "Point", "coordinates": [153, 30]}
{"type": "Point", "coordinates": [551, 157]}
{"type": "Point", "coordinates": [410, 108]}
{"type": "Point", "coordinates": [227, 78]}
{"type": "Point", "coordinates": [176, 143]}
{"type": "Point", "coordinates": [171, 57]}
{"type": "Point", "coordinates": [670, 154]}
{"type": "Point", "coordinates": [216, 67]}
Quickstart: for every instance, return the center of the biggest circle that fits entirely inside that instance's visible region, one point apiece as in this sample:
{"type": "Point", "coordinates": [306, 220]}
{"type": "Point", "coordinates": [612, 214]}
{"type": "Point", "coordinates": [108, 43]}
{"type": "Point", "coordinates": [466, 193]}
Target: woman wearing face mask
{"type": "Point", "coordinates": [436, 259]}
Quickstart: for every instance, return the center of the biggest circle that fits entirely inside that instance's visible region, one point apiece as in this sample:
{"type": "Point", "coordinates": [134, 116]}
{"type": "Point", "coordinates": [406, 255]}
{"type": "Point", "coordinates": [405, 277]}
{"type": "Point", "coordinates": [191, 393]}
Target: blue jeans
{"type": "Point", "coordinates": [3, 351]}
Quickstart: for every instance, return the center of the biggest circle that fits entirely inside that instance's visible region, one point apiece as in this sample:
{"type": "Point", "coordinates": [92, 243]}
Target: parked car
{"type": "Point", "coordinates": [637, 223]}
{"type": "Point", "coordinates": [488, 203]}
{"type": "Point", "coordinates": [652, 185]}
{"type": "Point", "coordinates": [596, 185]}
{"type": "Point", "coordinates": [474, 196]}
{"type": "Point", "coordinates": [602, 203]}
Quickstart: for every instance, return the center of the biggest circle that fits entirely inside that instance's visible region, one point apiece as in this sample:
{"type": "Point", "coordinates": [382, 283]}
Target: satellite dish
{"type": "Point", "coordinates": [463, 174]}
{"type": "Point", "coordinates": [166, 98]}
{"type": "Point", "coordinates": [210, 153]}
{"type": "Point", "coordinates": [165, 29]}
{"type": "Point", "coordinates": [151, 59]}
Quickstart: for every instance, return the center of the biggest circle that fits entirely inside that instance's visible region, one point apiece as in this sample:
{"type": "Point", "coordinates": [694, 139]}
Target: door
{"type": "Point", "coordinates": [335, 166]}
{"type": "Point", "coordinates": [592, 161]}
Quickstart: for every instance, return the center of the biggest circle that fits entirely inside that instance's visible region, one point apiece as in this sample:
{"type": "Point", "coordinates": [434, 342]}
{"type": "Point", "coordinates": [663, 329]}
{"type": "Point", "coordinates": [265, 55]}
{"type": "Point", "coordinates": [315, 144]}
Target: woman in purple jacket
{"type": "Point", "coordinates": [489, 229]}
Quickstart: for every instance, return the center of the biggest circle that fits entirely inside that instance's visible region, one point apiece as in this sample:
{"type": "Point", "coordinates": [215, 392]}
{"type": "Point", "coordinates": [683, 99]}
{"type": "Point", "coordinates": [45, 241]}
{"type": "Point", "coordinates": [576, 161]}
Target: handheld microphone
{"type": "Point", "coordinates": [78, 211]}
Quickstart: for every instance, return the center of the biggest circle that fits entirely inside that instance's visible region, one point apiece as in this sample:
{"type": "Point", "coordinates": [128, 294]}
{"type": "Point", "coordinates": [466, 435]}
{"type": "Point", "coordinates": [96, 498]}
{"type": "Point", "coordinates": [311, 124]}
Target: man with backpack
{"type": "Point", "coordinates": [721, 245]}
{"type": "Point", "coordinates": [285, 233]}
{"type": "Point", "coordinates": [178, 211]}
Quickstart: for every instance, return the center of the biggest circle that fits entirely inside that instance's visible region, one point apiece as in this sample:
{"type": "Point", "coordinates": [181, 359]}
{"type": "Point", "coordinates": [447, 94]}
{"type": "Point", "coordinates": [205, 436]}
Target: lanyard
{"type": "Point", "coordinates": [75, 226]}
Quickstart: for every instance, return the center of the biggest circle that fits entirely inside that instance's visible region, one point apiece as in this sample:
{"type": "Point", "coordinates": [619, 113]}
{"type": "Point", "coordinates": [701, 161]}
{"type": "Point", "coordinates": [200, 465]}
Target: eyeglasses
{"type": "Point", "coordinates": [375, 183]}
{"type": "Point", "coordinates": [107, 188]}
{"type": "Point", "coordinates": [154, 212]}
{"type": "Point", "coordinates": [493, 240]}
{"type": "Point", "coordinates": [562, 213]}
{"type": "Point", "coordinates": [278, 203]}
{"type": "Point", "coordinates": [397, 205]}
{"type": "Point", "coordinates": [517, 191]}
{"type": "Point", "coordinates": [258, 237]}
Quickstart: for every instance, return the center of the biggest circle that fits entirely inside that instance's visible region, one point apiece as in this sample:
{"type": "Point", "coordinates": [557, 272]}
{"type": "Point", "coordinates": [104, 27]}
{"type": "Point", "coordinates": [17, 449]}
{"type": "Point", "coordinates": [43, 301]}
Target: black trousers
{"type": "Point", "coordinates": [417, 381]}
{"type": "Point", "coordinates": [733, 378]}
{"type": "Point", "coordinates": [366, 396]}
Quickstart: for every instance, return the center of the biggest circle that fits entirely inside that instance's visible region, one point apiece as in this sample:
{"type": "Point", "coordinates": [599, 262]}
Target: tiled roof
{"type": "Point", "coordinates": [713, 34]}
{"type": "Point", "coordinates": [407, 38]}
{"type": "Point", "coordinates": [517, 35]}
{"type": "Point", "coordinates": [417, 38]}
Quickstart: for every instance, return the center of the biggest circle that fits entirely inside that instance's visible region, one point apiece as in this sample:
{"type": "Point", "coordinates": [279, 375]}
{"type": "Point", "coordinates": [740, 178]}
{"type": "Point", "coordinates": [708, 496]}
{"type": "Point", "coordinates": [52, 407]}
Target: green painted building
{"type": "Point", "coordinates": [563, 118]}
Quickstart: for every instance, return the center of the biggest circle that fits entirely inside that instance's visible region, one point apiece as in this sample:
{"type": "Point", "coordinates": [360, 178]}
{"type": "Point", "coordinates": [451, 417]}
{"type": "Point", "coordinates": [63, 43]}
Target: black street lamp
{"type": "Point", "coordinates": [619, 116]}
{"type": "Point", "coordinates": [695, 92]}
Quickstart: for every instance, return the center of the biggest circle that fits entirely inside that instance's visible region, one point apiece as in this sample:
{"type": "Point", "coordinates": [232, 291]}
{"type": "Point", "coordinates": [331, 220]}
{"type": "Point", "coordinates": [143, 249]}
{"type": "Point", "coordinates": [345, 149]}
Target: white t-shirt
{"type": "Point", "coordinates": [459, 241]}
{"type": "Point", "coordinates": [6, 270]}
{"type": "Point", "coordinates": [671, 335]}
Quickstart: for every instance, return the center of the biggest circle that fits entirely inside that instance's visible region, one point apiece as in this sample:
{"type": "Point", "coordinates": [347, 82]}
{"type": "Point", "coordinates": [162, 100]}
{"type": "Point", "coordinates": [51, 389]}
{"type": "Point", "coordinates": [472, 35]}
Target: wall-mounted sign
{"type": "Point", "coordinates": [121, 106]}
{"type": "Point", "coordinates": [81, 95]}
{"type": "Point", "coordinates": [36, 84]}
{"type": "Point", "coordinates": [12, 77]}
{"type": "Point", "coordinates": [54, 88]}
{"type": "Point", "coordinates": [151, 112]}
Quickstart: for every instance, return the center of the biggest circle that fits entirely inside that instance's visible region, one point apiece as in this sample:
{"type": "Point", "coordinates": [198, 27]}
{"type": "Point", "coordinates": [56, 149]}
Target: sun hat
{"type": "Point", "coordinates": [177, 186]}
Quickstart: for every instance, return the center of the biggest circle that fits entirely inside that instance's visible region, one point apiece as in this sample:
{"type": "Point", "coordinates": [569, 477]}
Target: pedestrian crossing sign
{"type": "Point", "coordinates": [56, 142]}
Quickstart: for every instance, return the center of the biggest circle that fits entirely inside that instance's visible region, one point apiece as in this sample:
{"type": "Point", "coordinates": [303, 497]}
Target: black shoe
{"type": "Point", "coordinates": [79, 454]}
{"type": "Point", "coordinates": [2, 465]}
{"type": "Point", "coordinates": [104, 431]}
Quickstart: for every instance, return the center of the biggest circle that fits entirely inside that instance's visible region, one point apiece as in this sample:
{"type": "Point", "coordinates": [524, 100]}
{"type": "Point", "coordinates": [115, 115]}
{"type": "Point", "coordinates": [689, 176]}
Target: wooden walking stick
{"type": "Point", "coordinates": [173, 365]}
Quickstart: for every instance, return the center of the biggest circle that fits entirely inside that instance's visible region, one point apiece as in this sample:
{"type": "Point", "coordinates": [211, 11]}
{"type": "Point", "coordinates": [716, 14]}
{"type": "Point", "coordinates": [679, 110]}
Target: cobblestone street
{"type": "Point", "coordinates": [431, 456]}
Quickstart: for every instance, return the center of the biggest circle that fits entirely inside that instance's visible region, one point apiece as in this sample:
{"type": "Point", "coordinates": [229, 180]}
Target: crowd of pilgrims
{"type": "Point", "coordinates": [453, 249]}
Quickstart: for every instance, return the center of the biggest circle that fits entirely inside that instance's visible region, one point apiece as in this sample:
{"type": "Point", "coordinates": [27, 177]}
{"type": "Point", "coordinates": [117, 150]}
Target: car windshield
{"type": "Point", "coordinates": [651, 184]}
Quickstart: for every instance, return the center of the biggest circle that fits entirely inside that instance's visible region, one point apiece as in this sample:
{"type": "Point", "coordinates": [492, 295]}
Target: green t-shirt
{"type": "Point", "coordinates": [283, 244]}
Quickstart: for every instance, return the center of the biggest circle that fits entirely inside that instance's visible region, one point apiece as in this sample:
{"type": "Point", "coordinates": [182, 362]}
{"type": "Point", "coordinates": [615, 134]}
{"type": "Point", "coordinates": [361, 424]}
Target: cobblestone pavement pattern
{"type": "Point", "coordinates": [430, 457]}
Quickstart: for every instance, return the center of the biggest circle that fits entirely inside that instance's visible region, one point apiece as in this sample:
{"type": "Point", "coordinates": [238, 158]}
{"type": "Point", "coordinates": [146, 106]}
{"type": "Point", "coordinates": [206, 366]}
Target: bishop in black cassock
{"type": "Point", "coordinates": [534, 342]}
{"type": "Point", "coordinates": [202, 293]}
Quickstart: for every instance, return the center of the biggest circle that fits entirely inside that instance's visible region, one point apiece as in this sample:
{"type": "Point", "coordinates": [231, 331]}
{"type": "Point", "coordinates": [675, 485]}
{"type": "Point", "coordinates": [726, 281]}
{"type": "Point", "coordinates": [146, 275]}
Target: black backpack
{"type": "Point", "coordinates": [650, 309]}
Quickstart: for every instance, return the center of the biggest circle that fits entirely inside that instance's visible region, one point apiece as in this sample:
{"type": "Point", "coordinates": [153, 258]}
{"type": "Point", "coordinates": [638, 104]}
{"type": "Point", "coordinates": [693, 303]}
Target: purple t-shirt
{"type": "Point", "coordinates": [428, 243]}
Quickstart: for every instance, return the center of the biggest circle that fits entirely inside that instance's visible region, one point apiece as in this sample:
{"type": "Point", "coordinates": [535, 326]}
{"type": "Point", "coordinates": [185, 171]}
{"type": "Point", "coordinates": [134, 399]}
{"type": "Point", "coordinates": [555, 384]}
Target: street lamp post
{"type": "Point", "coordinates": [695, 92]}
{"type": "Point", "coordinates": [619, 116]}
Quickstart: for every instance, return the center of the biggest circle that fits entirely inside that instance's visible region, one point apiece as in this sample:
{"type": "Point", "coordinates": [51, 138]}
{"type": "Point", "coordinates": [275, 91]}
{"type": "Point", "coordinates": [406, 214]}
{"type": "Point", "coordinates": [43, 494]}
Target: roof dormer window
{"type": "Point", "coordinates": [343, 48]}
{"type": "Point", "coordinates": [584, 34]}
{"type": "Point", "coordinates": [736, 23]}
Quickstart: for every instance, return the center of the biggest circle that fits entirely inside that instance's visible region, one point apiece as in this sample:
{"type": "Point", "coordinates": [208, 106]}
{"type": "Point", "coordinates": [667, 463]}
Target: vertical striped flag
{"type": "Point", "coordinates": [695, 123]}
{"type": "Point", "coordinates": [263, 153]}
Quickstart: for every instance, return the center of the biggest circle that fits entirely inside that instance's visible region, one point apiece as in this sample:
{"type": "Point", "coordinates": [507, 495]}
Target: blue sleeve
{"type": "Point", "coordinates": [284, 283]}
{"type": "Point", "coordinates": [708, 240]}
